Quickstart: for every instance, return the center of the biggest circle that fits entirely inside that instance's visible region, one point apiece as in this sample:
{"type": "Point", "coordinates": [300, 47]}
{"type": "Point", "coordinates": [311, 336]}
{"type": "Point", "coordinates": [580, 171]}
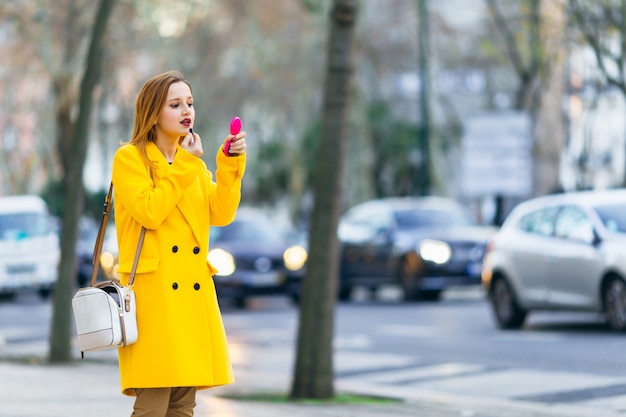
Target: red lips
{"type": "Point", "coordinates": [186, 122]}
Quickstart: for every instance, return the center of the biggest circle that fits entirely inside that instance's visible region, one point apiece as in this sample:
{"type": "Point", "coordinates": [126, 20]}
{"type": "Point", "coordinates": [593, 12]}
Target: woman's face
{"type": "Point", "coordinates": [177, 114]}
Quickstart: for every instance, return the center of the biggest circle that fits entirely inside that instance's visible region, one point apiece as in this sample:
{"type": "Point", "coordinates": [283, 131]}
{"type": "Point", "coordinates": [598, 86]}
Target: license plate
{"type": "Point", "coordinates": [20, 279]}
{"type": "Point", "coordinates": [475, 268]}
{"type": "Point", "coordinates": [265, 279]}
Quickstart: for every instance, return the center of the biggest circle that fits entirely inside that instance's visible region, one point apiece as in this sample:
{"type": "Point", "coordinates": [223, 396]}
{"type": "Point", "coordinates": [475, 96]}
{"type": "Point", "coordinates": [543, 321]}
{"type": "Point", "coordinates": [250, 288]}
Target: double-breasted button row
{"type": "Point", "coordinates": [196, 250]}
{"type": "Point", "coordinates": [196, 286]}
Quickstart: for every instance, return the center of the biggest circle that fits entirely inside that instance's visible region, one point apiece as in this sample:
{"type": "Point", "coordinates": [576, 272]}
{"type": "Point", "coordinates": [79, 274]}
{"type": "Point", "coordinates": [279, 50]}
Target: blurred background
{"type": "Point", "coordinates": [489, 102]}
{"type": "Point", "coordinates": [472, 108]}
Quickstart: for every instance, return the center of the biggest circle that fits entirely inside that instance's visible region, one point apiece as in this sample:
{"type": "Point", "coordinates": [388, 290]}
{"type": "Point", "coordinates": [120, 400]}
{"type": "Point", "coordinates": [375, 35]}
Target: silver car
{"type": "Point", "coordinates": [560, 252]}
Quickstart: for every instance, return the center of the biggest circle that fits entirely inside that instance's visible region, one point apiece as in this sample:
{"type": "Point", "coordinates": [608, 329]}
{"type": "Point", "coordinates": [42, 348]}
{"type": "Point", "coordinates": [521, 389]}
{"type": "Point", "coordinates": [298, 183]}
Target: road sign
{"type": "Point", "coordinates": [497, 155]}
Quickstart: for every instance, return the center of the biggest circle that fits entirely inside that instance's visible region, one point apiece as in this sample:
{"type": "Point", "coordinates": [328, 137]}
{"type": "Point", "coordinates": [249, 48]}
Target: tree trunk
{"type": "Point", "coordinates": [424, 171]}
{"type": "Point", "coordinates": [539, 89]}
{"type": "Point", "coordinates": [314, 354]}
{"type": "Point", "coordinates": [549, 132]}
{"type": "Point", "coordinates": [60, 335]}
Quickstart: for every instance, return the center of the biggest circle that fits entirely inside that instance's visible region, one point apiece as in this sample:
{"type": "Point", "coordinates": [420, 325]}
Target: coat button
{"type": "Point", "coordinates": [196, 286]}
{"type": "Point", "coordinates": [196, 250]}
{"type": "Point", "coordinates": [175, 285]}
{"type": "Point", "coordinates": [174, 248]}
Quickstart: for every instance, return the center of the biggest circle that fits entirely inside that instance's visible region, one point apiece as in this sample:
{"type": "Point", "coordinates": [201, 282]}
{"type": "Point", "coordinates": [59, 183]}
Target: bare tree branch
{"type": "Point", "coordinates": [511, 46]}
{"type": "Point", "coordinates": [603, 55]}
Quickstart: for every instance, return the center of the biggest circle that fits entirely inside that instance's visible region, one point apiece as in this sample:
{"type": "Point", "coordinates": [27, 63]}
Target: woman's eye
{"type": "Point", "coordinates": [190, 104]}
{"type": "Point", "coordinates": [174, 105]}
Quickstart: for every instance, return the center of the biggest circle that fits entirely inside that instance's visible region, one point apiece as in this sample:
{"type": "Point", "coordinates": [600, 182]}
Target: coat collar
{"type": "Point", "coordinates": [160, 170]}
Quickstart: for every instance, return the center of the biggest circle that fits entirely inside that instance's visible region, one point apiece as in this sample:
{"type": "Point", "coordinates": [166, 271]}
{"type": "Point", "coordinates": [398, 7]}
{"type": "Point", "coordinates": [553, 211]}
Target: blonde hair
{"type": "Point", "coordinates": [150, 101]}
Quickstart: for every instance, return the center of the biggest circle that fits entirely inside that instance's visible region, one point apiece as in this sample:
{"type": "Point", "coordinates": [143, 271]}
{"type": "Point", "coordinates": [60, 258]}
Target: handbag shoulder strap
{"type": "Point", "coordinates": [95, 260]}
{"type": "Point", "coordinates": [136, 260]}
{"type": "Point", "coordinates": [97, 250]}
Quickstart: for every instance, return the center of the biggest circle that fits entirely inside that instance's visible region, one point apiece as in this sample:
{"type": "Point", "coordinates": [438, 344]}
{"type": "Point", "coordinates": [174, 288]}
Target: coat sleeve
{"type": "Point", "coordinates": [226, 194]}
{"type": "Point", "coordinates": [136, 191]}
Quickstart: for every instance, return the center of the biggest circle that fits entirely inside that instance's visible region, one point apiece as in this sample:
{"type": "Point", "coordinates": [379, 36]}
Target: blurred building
{"type": "Point", "coordinates": [594, 155]}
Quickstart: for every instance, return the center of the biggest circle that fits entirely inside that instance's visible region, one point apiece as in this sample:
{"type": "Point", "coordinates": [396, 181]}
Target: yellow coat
{"type": "Point", "coordinates": [181, 335]}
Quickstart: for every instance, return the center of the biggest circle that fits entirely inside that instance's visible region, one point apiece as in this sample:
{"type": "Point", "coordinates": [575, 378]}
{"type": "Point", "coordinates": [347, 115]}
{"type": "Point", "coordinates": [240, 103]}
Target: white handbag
{"type": "Point", "coordinates": [105, 313]}
{"type": "Point", "coordinates": [105, 316]}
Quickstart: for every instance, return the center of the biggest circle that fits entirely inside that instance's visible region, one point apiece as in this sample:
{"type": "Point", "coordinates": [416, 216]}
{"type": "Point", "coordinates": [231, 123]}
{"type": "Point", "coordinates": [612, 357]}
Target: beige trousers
{"type": "Point", "coordinates": [165, 402]}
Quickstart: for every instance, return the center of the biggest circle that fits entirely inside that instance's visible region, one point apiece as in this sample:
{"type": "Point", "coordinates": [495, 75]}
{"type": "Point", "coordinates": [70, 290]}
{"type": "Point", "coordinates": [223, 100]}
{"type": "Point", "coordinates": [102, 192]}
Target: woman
{"type": "Point", "coordinates": [161, 183]}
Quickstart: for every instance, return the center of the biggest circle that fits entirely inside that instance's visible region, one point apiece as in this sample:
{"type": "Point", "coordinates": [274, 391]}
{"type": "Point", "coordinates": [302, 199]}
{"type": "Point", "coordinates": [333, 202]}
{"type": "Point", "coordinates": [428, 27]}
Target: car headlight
{"type": "Point", "coordinates": [435, 251]}
{"type": "Point", "coordinates": [109, 264]}
{"type": "Point", "coordinates": [295, 257]}
{"type": "Point", "coordinates": [115, 273]}
{"type": "Point", "coordinates": [107, 261]}
{"type": "Point", "coordinates": [222, 261]}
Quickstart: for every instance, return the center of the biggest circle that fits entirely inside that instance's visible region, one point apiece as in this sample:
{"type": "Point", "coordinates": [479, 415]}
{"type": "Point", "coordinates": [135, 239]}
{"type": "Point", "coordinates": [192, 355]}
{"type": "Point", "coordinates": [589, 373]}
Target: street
{"type": "Point", "coordinates": [458, 329]}
{"type": "Point", "coordinates": [388, 347]}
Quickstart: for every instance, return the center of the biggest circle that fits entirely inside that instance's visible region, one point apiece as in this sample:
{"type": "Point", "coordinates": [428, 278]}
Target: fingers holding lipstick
{"type": "Point", "coordinates": [192, 143]}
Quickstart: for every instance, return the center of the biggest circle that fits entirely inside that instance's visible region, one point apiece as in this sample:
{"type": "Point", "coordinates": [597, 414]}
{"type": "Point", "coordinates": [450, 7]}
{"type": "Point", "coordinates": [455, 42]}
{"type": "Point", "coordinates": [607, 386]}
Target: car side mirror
{"type": "Point", "coordinates": [583, 233]}
{"type": "Point", "coordinates": [383, 235]}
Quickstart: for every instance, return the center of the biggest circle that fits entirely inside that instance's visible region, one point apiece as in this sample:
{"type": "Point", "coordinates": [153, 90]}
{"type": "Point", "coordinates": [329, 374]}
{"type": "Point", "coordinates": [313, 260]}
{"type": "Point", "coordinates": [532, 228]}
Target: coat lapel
{"type": "Point", "coordinates": [185, 204]}
{"type": "Point", "coordinates": [189, 212]}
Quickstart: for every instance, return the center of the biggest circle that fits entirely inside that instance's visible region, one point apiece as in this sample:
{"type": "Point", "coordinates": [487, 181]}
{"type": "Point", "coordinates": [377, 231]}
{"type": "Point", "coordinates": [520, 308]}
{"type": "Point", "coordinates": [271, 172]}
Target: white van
{"type": "Point", "coordinates": [29, 245]}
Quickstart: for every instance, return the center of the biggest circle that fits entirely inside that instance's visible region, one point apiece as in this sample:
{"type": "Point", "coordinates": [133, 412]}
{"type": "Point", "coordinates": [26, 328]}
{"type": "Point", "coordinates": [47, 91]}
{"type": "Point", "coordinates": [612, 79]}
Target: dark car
{"type": "Point", "coordinates": [423, 244]}
{"type": "Point", "coordinates": [256, 256]}
{"type": "Point", "coordinates": [87, 234]}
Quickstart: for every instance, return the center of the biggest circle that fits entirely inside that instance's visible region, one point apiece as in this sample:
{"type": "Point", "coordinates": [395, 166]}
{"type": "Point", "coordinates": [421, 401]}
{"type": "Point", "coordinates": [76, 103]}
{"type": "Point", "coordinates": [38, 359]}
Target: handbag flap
{"type": "Point", "coordinates": [94, 310]}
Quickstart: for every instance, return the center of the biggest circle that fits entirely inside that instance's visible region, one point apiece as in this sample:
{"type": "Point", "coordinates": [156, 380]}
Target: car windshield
{"type": "Point", "coordinates": [414, 219]}
{"type": "Point", "coordinates": [613, 216]}
{"type": "Point", "coordinates": [16, 226]}
{"type": "Point", "coordinates": [248, 231]}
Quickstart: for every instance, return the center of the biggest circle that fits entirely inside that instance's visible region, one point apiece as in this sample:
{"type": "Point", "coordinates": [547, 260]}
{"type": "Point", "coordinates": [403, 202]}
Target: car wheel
{"type": "Point", "coordinates": [83, 280]}
{"type": "Point", "coordinates": [506, 309]}
{"type": "Point", "coordinates": [44, 293]}
{"type": "Point", "coordinates": [344, 286]}
{"type": "Point", "coordinates": [239, 302]}
{"type": "Point", "coordinates": [295, 298]}
{"type": "Point", "coordinates": [345, 292]}
{"type": "Point", "coordinates": [408, 279]}
{"type": "Point", "coordinates": [430, 295]}
{"type": "Point", "coordinates": [615, 304]}
{"type": "Point", "coordinates": [8, 296]}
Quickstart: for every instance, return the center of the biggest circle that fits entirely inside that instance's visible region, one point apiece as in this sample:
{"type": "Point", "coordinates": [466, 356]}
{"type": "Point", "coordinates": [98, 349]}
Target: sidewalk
{"type": "Point", "coordinates": [90, 388]}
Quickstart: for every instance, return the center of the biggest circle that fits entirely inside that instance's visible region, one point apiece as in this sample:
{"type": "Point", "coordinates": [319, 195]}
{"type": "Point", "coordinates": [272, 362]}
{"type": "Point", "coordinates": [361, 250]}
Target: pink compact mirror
{"type": "Point", "coordinates": [235, 126]}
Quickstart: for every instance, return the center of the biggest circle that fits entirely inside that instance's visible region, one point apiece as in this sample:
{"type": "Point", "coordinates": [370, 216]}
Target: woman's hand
{"type": "Point", "coordinates": [192, 143]}
{"type": "Point", "coordinates": [237, 144]}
